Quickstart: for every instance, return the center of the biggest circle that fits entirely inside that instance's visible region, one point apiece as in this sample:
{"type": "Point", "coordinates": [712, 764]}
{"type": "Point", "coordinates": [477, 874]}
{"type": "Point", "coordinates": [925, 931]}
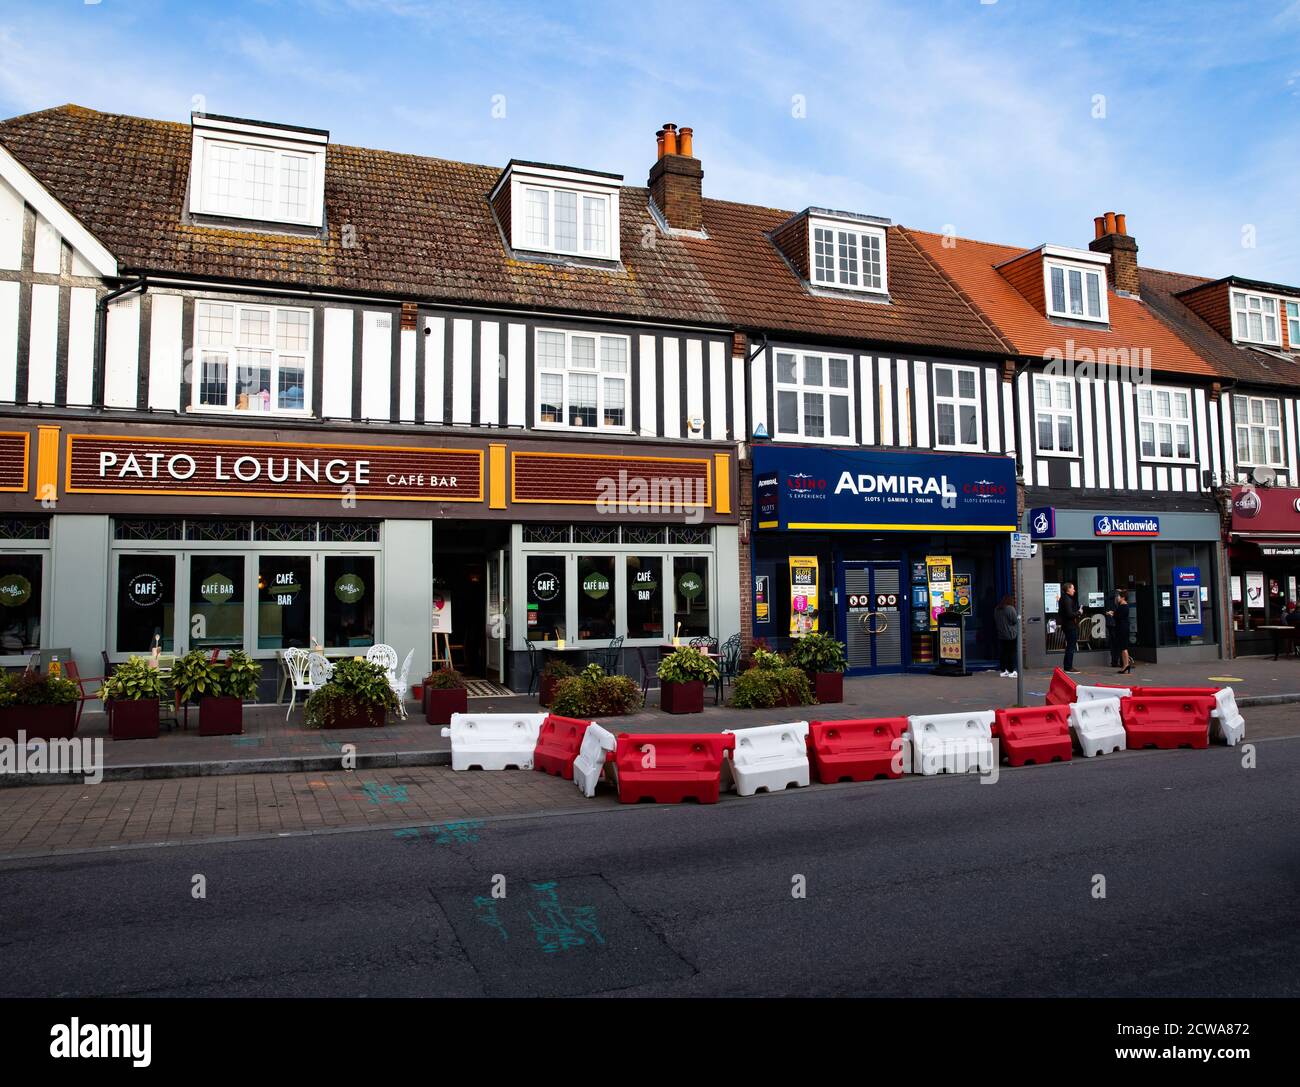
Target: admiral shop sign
{"type": "Point", "coordinates": [854, 490]}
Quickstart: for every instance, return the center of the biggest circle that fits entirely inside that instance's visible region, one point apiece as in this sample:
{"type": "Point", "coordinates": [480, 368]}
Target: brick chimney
{"type": "Point", "coordinates": [676, 180]}
{"type": "Point", "coordinates": [1112, 237]}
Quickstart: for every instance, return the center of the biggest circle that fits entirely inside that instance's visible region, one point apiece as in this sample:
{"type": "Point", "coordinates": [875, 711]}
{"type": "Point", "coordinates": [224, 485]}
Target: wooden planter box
{"type": "Point", "coordinates": [133, 719]}
{"type": "Point", "coordinates": [223, 716]}
{"type": "Point", "coordinates": [682, 697]}
{"type": "Point", "coordinates": [361, 717]}
{"type": "Point", "coordinates": [828, 686]}
{"type": "Point", "coordinates": [439, 705]}
{"type": "Point", "coordinates": [39, 722]}
{"type": "Point", "coordinates": [546, 689]}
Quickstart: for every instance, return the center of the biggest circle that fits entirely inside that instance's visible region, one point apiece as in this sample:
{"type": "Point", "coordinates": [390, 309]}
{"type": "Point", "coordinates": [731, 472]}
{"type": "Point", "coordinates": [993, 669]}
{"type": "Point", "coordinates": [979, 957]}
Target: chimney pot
{"type": "Point", "coordinates": [659, 138]}
{"type": "Point", "coordinates": [684, 143]}
{"type": "Point", "coordinates": [1110, 222]}
{"type": "Point", "coordinates": [676, 181]}
{"type": "Point", "coordinates": [670, 139]}
{"type": "Point", "coordinates": [1120, 226]}
{"type": "Point", "coordinates": [1113, 239]}
{"type": "Point", "coordinates": [1099, 223]}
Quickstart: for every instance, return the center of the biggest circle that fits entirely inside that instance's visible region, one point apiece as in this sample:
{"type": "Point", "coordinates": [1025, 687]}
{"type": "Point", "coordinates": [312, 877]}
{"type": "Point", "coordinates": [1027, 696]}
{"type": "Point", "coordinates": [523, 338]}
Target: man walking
{"type": "Point", "coordinates": [1068, 618]}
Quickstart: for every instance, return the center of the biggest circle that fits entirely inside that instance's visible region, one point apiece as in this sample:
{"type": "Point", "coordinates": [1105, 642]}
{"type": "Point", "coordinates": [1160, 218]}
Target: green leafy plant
{"type": "Point", "coordinates": [818, 653]}
{"type": "Point", "coordinates": [594, 694]}
{"type": "Point", "coordinates": [444, 679]}
{"type": "Point", "coordinates": [241, 676]}
{"type": "Point", "coordinates": [558, 669]}
{"type": "Point", "coordinates": [354, 687]}
{"type": "Point", "coordinates": [194, 676]}
{"type": "Point", "coordinates": [760, 688]}
{"type": "Point", "coordinates": [767, 660]}
{"type": "Point", "coordinates": [134, 681]}
{"type": "Point", "coordinates": [687, 665]}
{"type": "Point", "coordinates": [38, 689]}
{"type": "Point", "coordinates": [6, 689]}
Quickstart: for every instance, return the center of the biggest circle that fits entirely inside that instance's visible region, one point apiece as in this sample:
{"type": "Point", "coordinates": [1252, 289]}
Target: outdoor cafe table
{"type": "Point", "coordinates": [1281, 633]}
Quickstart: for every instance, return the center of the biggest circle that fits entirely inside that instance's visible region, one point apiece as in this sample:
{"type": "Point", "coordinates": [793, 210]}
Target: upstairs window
{"type": "Point", "coordinates": [1054, 414]}
{"type": "Point", "coordinates": [1076, 292]}
{"type": "Point", "coordinates": [1293, 325]}
{"type": "Point", "coordinates": [252, 358]}
{"type": "Point", "coordinates": [1257, 421]}
{"type": "Point", "coordinates": [852, 257]}
{"type": "Point", "coordinates": [1254, 317]}
{"type": "Point", "coordinates": [957, 407]}
{"type": "Point", "coordinates": [814, 397]}
{"type": "Point", "coordinates": [1164, 424]}
{"type": "Point", "coordinates": [582, 380]}
{"type": "Point", "coordinates": [566, 221]}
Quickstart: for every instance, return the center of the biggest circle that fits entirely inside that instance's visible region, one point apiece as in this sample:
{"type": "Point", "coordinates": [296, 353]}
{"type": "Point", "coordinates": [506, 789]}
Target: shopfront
{"type": "Point", "coordinates": [1166, 563]}
{"type": "Point", "coordinates": [871, 547]}
{"type": "Point", "coordinates": [1263, 562]}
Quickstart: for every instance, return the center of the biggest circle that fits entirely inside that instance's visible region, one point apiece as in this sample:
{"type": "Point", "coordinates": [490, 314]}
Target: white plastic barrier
{"type": "Point", "coordinates": [952, 743]}
{"type": "Point", "coordinates": [769, 757]}
{"type": "Point", "coordinates": [1094, 694]}
{"type": "Point", "coordinates": [590, 763]}
{"type": "Point", "coordinates": [1097, 726]}
{"type": "Point", "coordinates": [1226, 721]}
{"type": "Point", "coordinates": [493, 741]}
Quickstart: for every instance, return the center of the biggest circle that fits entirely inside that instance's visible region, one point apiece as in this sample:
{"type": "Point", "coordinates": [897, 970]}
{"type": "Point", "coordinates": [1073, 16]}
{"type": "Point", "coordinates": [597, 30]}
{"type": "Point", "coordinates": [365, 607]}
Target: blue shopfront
{"type": "Point", "coordinates": [871, 546]}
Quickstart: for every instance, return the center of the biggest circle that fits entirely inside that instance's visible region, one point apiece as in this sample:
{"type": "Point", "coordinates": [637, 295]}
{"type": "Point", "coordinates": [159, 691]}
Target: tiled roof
{"type": "Point", "coordinates": [971, 267]}
{"type": "Point", "coordinates": [425, 231]}
{"type": "Point", "coordinates": [1243, 363]}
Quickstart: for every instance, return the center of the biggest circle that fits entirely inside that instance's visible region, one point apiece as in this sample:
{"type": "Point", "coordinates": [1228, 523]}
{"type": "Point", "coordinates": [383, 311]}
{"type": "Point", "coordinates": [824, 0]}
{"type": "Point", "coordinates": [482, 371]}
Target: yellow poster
{"type": "Point", "coordinates": [803, 595]}
{"type": "Point", "coordinates": [938, 573]}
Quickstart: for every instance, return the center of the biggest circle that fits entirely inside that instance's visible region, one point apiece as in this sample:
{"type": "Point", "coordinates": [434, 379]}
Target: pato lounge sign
{"type": "Point", "coordinates": [104, 464]}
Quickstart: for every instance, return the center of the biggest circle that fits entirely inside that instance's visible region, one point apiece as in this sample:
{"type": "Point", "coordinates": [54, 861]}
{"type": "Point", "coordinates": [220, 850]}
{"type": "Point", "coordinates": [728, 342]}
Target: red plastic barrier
{"type": "Point", "coordinates": [1175, 692]}
{"type": "Point", "coordinates": [1167, 722]}
{"type": "Point", "coordinates": [669, 768]}
{"type": "Point", "coordinates": [855, 750]}
{"type": "Point", "coordinates": [1062, 690]}
{"type": "Point", "coordinates": [558, 744]}
{"type": "Point", "coordinates": [1034, 734]}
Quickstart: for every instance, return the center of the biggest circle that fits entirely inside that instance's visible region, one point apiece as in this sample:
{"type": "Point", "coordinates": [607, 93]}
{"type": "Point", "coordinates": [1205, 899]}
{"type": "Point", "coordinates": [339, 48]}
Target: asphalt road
{"type": "Point", "coordinates": [917, 887]}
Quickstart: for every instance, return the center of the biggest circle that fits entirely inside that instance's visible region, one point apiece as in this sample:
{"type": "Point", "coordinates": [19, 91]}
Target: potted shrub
{"type": "Point", "coordinates": [823, 659]}
{"type": "Point", "coordinates": [682, 675]}
{"type": "Point", "coordinates": [444, 694]}
{"type": "Point", "coordinates": [594, 694]}
{"type": "Point", "coordinates": [357, 696]}
{"type": "Point", "coordinates": [552, 673]}
{"type": "Point", "coordinates": [43, 707]}
{"type": "Point", "coordinates": [131, 697]}
{"type": "Point", "coordinates": [219, 689]}
{"type": "Point", "coordinates": [763, 687]}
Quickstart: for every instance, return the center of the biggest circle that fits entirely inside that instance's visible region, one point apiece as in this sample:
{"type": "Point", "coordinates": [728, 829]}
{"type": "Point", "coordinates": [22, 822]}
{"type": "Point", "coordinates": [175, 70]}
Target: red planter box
{"type": "Point", "coordinates": [439, 705]}
{"type": "Point", "coordinates": [367, 717]}
{"type": "Point", "coordinates": [39, 722]}
{"type": "Point", "coordinates": [133, 719]}
{"type": "Point", "coordinates": [682, 697]}
{"type": "Point", "coordinates": [546, 689]}
{"type": "Point", "coordinates": [223, 716]}
{"type": "Point", "coordinates": [828, 686]}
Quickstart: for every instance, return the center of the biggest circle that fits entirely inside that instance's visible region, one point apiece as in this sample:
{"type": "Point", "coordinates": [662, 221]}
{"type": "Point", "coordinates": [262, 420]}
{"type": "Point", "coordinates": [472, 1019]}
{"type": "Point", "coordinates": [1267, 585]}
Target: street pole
{"type": "Point", "coordinates": [1020, 635]}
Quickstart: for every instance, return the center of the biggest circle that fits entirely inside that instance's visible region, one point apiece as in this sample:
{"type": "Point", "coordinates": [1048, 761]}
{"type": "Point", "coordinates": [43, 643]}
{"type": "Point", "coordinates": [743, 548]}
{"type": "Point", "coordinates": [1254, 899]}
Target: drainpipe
{"type": "Point", "coordinates": [101, 332]}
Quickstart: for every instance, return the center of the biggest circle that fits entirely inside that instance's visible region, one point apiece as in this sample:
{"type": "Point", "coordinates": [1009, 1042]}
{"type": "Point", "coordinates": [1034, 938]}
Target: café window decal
{"type": "Point", "coordinates": [15, 590]}
{"type": "Point", "coordinates": [349, 588]}
{"type": "Point", "coordinates": [595, 585]}
{"type": "Point", "coordinates": [690, 585]}
{"type": "Point", "coordinates": [145, 591]}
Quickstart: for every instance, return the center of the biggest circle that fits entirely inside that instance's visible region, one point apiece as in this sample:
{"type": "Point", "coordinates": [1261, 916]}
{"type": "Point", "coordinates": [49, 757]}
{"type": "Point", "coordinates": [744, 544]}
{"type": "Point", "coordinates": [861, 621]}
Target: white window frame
{"type": "Point", "coordinates": [549, 180]}
{"type": "Point", "coordinates": [202, 352]}
{"type": "Point", "coordinates": [957, 401]}
{"type": "Point", "coordinates": [211, 134]}
{"type": "Point", "coordinates": [849, 270]}
{"type": "Point", "coordinates": [799, 388]}
{"type": "Point", "coordinates": [1268, 429]}
{"type": "Point", "coordinates": [1291, 315]}
{"type": "Point", "coordinates": [602, 376]}
{"type": "Point", "coordinates": [1102, 317]}
{"type": "Point", "coordinates": [1057, 415]}
{"type": "Point", "coordinates": [1154, 420]}
{"type": "Point", "coordinates": [38, 549]}
{"type": "Point", "coordinates": [1267, 306]}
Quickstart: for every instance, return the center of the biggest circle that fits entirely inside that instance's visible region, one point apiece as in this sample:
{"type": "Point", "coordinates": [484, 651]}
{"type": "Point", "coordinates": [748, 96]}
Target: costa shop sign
{"type": "Point", "coordinates": [194, 467]}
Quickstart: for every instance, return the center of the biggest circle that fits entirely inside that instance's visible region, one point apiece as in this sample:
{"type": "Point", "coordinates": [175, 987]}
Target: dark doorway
{"type": "Point", "coordinates": [1133, 573]}
{"type": "Point", "coordinates": [461, 556]}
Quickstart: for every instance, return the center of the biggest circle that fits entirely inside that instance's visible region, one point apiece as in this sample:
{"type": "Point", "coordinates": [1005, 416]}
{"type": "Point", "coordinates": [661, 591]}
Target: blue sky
{"type": "Point", "coordinates": [982, 117]}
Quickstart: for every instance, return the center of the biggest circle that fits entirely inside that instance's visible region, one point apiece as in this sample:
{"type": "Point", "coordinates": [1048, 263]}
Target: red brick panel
{"type": "Point", "coordinates": [1026, 275]}
{"type": "Point", "coordinates": [13, 462]}
{"type": "Point", "coordinates": [1213, 304]}
{"type": "Point", "coordinates": [107, 464]}
{"type": "Point", "coordinates": [658, 484]}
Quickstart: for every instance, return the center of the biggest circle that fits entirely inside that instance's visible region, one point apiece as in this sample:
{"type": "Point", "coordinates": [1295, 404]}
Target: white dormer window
{"type": "Point", "coordinates": [1075, 291]}
{"type": "Point", "coordinates": [846, 254]}
{"type": "Point", "coordinates": [1293, 324]}
{"type": "Point", "coordinates": [1254, 317]}
{"type": "Point", "coordinates": [257, 172]}
{"type": "Point", "coordinates": [570, 213]}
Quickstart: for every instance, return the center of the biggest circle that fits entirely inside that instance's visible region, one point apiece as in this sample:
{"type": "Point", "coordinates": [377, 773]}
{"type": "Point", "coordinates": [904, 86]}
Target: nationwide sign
{"type": "Point", "coordinates": [1112, 524]}
{"type": "Point", "coordinates": [193, 467]}
{"type": "Point", "coordinates": [855, 490]}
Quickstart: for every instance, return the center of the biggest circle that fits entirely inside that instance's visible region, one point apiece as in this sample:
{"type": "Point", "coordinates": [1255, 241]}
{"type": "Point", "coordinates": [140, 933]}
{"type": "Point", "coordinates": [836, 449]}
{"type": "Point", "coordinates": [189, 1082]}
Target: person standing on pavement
{"type": "Point", "coordinates": [1119, 655]}
{"type": "Point", "coordinates": [1067, 616]}
{"type": "Point", "coordinates": [1008, 626]}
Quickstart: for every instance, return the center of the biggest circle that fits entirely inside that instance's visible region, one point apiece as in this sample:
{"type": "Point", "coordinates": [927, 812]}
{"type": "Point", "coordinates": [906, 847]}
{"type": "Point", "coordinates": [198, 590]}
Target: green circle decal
{"type": "Point", "coordinates": [690, 585]}
{"type": "Point", "coordinates": [15, 590]}
{"type": "Point", "coordinates": [349, 588]}
{"type": "Point", "coordinates": [595, 585]}
{"type": "Point", "coordinates": [217, 589]}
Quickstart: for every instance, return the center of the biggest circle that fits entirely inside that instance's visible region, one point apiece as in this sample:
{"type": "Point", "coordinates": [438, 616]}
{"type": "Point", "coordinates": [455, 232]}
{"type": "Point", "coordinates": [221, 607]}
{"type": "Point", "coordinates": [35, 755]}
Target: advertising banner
{"type": "Point", "coordinates": [803, 595]}
{"type": "Point", "coordinates": [938, 570]}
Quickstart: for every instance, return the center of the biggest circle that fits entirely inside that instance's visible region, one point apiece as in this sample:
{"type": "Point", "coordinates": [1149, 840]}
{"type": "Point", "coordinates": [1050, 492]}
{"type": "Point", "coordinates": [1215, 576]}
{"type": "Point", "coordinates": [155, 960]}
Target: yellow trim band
{"type": "Point", "coordinates": [47, 463]}
{"type": "Point", "coordinates": [496, 476]}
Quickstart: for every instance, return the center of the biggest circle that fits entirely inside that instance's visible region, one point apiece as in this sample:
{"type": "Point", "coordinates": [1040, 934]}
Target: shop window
{"type": "Point", "coordinates": [691, 596]}
{"type": "Point", "coordinates": [546, 598]}
{"type": "Point", "coordinates": [216, 601]}
{"type": "Point", "coordinates": [349, 600]}
{"type": "Point", "coordinates": [814, 396]}
{"type": "Point", "coordinates": [24, 528]}
{"type": "Point", "coordinates": [693, 536]}
{"type": "Point", "coordinates": [637, 534]}
{"type": "Point", "coordinates": [1054, 414]}
{"type": "Point", "coordinates": [956, 407]}
{"type": "Point", "coordinates": [546, 534]}
{"type": "Point", "coordinates": [283, 601]}
{"type": "Point", "coordinates": [645, 597]}
{"type": "Point", "coordinates": [1164, 423]}
{"type": "Point", "coordinates": [1196, 556]}
{"type": "Point", "coordinates": [1257, 422]}
{"type": "Point", "coordinates": [596, 599]}
{"type": "Point", "coordinates": [21, 578]}
{"type": "Point", "coordinates": [146, 603]}
{"type": "Point", "coordinates": [148, 529]}
{"type": "Point", "coordinates": [252, 358]}
{"type": "Point", "coordinates": [285, 531]}
{"type": "Point", "coordinates": [220, 531]}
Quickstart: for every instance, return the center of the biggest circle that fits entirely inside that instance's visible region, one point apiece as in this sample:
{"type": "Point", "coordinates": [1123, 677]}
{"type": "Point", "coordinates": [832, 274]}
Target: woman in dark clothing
{"type": "Point", "coordinates": [1008, 626]}
{"type": "Point", "coordinates": [1117, 634]}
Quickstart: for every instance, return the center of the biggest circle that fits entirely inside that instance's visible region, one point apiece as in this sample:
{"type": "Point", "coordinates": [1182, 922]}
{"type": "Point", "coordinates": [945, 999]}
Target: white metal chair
{"type": "Point", "coordinates": [308, 672]}
{"type": "Point", "coordinates": [385, 656]}
{"type": "Point", "coordinates": [401, 685]}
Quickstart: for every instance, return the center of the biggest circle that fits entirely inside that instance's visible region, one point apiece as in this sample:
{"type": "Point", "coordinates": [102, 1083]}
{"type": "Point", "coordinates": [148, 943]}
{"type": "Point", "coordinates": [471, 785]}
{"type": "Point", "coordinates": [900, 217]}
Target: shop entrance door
{"type": "Point", "coordinates": [496, 616]}
{"type": "Point", "coordinates": [1133, 574]}
{"type": "Point", "coordinates": [872, 616]}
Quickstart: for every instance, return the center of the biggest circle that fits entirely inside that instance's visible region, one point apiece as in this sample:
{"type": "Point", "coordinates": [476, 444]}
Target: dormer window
{"type": "Point", "coordinates": [850, 255]}
{"type": "Point", "coordinates": [1076, 292]}
{"type": "Point", "coordinates": [569, 213]}
{"type": "Point", "coordinates": [257, 172]}
{"type": "Point", "coordinates": [1254, 317]}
